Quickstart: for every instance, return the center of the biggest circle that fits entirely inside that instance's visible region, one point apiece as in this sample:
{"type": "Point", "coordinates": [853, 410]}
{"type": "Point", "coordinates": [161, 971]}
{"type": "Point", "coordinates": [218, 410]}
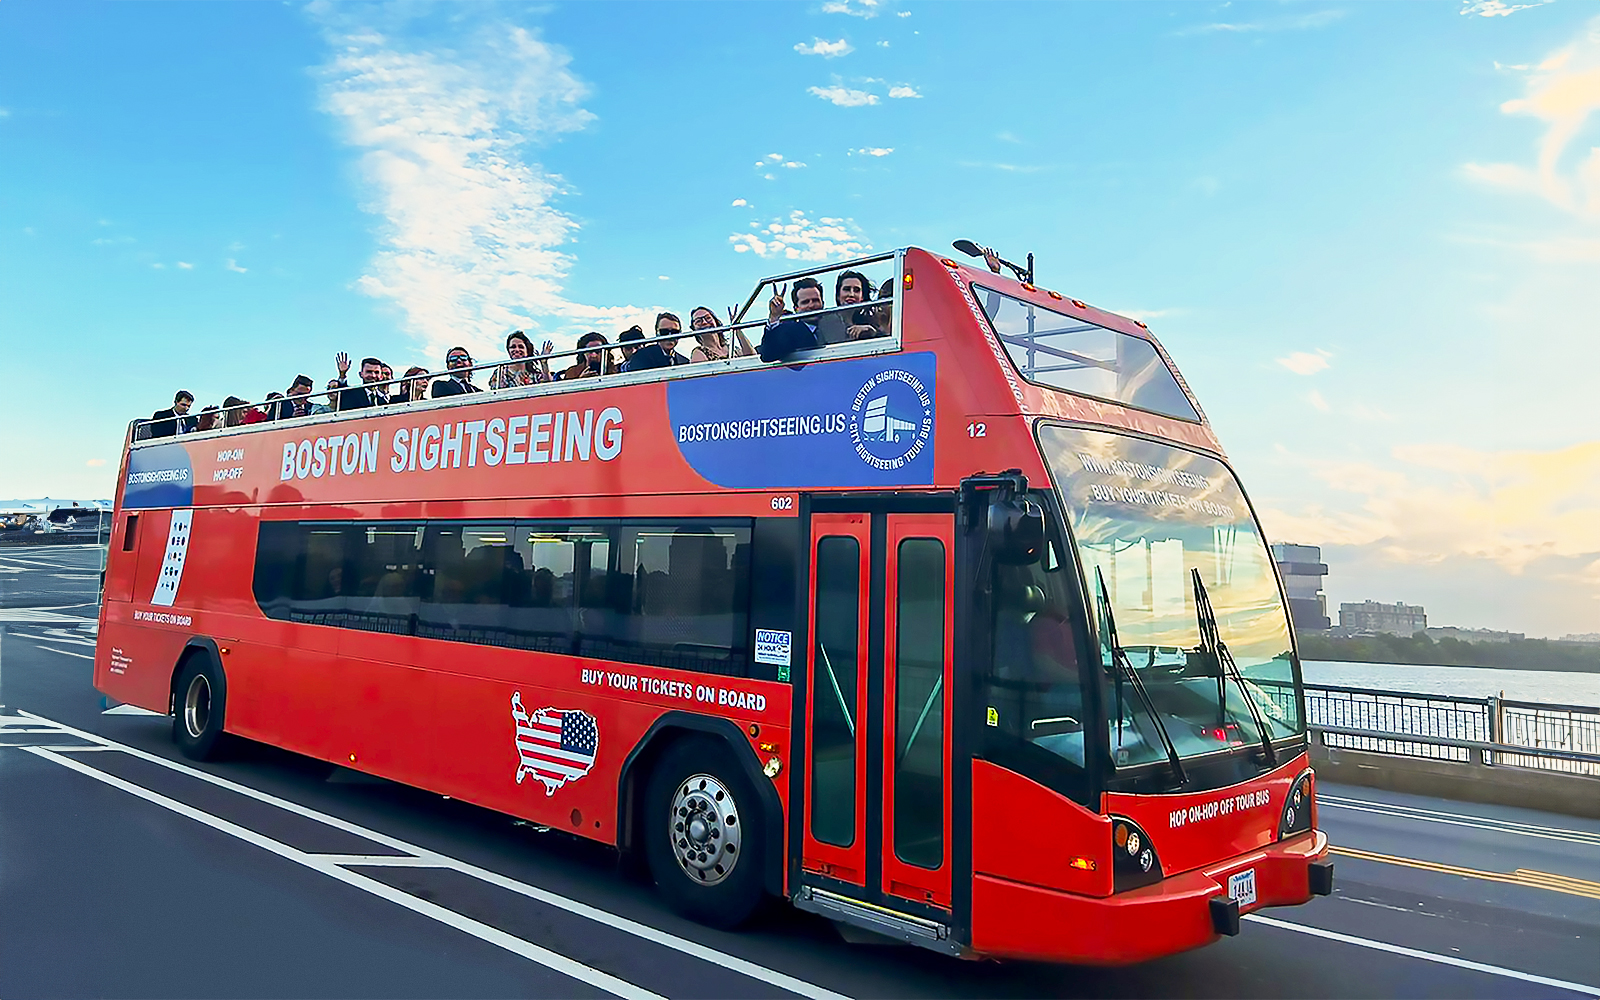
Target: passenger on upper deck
{"type": "Point", "coordinates": [331, 396]}
{"type": "Point", "coordinates": [783, 337]}
{"type": "Point", "coordinates": [662, 354]}
{"type": "Point", "coordinates": [207, 420]}
{"type": "Point", "coordinates": [369, 393]}
{"type": "Point", "coordinates": [234, 411]}
{"type": "Point", "coordinates": [518, 372]}
{"type": "Point", "coordinates": [631, 333]}
{"type": "Point", "coordinates": [415, 387]}
{"type": "Point", "coordinates": [298, 401]}
{"type": "Point", "coordinates": [713, 343]}
{"type": "Point", "coordinates": [460, 364]}
{"type": "Point", "coordinates": [591, 363]}
{"type": "Point", "coordinates": [174, 420]}
{"type": "Point", "coordinates": [391, 390]}
{"type": "Point", "coordinates": [849, 289]}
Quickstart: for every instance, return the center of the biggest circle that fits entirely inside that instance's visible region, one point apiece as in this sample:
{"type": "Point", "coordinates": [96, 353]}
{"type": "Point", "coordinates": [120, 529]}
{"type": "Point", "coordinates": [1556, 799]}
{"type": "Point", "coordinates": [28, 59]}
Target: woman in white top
{"type": "Point", "coordinates": [518, 372]}
{"type": "Point", "coordinates": [712, 342]}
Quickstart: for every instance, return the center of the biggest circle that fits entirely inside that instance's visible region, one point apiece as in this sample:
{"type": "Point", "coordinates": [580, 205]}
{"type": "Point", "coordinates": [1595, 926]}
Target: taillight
{"type": "Point", "coordinates": [1297, 807]}
{"type": "Point", "coordinates": [1133, 857]}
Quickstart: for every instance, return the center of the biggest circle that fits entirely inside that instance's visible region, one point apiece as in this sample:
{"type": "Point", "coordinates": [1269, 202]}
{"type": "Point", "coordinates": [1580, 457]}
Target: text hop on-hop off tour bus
{"type": "Point", "coordinates": [966, 635]}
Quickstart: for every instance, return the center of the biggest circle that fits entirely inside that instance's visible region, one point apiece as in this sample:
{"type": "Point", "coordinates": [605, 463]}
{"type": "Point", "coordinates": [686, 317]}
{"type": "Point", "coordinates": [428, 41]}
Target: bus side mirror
{"type": "Point", "coordinates": [1016, 531]}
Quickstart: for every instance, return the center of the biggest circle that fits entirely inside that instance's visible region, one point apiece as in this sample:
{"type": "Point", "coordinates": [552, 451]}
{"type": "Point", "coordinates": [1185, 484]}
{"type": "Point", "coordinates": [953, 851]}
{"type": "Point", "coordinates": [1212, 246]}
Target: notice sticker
{"type": "Point", "coordinates": [1242, 887]}
{"type": "Point", "coordinates": [772, 646]}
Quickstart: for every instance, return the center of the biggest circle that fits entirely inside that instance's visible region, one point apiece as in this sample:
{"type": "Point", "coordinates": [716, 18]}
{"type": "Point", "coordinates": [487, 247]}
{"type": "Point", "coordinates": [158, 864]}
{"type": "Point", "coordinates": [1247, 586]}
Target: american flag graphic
{"type": "Point", "coordinates": [554, 745]}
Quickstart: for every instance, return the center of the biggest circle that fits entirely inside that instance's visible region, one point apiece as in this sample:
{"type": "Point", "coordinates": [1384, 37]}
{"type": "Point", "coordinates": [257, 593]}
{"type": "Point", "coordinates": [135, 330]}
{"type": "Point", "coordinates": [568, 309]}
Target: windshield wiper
{"type": "Point", "coordinates": [1213, 648]}
{"type": "Point", "coordinates": [1121, 667]}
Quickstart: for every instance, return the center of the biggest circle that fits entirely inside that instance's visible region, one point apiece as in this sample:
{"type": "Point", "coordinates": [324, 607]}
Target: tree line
{"type": "Point", "coordinates": [1527, 654]}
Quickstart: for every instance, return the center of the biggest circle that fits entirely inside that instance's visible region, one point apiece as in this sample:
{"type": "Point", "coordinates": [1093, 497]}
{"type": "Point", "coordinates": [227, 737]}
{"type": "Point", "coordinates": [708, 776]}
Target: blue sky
{"type": "Point", "coordinates": [1368, 233]}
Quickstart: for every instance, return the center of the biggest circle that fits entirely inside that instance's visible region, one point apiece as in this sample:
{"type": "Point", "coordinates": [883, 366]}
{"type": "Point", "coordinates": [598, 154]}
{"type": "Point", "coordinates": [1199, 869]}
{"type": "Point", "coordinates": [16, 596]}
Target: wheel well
{"type": "Point", "coordinates": [669, 730]}
{"type": "Point", "coordinates": [196, 647]}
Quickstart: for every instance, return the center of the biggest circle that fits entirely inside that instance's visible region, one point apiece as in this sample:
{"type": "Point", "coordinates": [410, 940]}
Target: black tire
{"type": "Point", "coordinates": [198, 705]}
{"type": "Point", "coordinates": [697, 779]}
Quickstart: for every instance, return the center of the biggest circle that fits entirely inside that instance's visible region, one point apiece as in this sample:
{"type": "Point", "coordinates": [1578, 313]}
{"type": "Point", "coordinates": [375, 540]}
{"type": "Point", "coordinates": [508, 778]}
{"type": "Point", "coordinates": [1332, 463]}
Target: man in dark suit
{"type": "Point", "coordinates": [297, 402]}
{"type": "Point", "coordinates": [166, 423]}
{"type": "Point", "coordinates": [661, 354]}
{"type": "Point", "coordinates": [460, 364]}
{"type": "Point", "coordinates": [369, 392]}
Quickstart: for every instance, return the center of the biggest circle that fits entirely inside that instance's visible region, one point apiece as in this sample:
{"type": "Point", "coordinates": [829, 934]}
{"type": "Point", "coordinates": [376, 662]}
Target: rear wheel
{"type": "Point", "coordinates": [198, 707]}
{"type": "Point", "coordinates": [703, 834]}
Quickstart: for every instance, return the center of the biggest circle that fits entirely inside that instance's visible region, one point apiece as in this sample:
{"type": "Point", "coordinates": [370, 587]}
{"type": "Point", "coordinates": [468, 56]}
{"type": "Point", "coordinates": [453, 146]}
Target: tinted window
{"type": "Point", "coordinates": [833, 691]}
{"type": "Point", "coordinates": [671, 594]}
{"type": "Point", "coordinates": [919, 703]}
{"type": "Point", "coordinates": [1064, 352]}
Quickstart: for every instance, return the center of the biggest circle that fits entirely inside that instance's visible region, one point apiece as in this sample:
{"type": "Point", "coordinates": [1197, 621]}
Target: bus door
{"type": "Point", "coordinates": [877, 807]}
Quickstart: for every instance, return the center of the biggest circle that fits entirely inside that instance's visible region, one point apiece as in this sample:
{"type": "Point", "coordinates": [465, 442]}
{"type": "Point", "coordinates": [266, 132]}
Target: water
{"type": "Point", "coordinates": [1551, 686]}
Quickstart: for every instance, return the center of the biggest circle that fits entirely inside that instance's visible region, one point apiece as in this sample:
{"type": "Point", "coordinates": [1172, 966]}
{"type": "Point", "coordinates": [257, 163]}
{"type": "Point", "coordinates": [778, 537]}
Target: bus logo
{"type": "Point", "coordinates": [891, 420]}
{"type": "Point", "coordinates": [554, 745]}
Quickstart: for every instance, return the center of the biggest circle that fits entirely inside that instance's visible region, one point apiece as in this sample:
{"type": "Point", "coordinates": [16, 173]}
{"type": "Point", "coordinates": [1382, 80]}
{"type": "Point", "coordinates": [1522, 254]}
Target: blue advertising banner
{"type": "Point", "coordinates": [159, 476]}
{"type": "Point", "coordinates": [864, 422]}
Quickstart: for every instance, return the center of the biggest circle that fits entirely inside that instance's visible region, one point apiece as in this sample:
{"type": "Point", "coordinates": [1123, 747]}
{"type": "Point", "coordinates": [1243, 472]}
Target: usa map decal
{"type": "Point", "coordinates": [554, 745]}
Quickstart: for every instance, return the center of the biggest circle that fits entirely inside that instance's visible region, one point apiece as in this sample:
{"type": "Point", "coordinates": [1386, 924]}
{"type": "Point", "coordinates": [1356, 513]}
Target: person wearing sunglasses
{"type": "Point", "coordinates": [460, 381]}
{"type": "Point", "coordinates": [595, 360]}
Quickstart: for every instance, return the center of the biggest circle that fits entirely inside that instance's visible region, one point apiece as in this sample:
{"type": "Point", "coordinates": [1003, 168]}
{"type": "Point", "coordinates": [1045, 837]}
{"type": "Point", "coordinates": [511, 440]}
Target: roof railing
{"type": "Point", "coordinates": [729, 361]}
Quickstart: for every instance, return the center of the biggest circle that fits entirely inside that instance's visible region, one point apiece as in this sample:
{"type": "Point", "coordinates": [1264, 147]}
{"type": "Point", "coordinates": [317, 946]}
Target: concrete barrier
{"type": "Point", "coordinates": [1465, 781]}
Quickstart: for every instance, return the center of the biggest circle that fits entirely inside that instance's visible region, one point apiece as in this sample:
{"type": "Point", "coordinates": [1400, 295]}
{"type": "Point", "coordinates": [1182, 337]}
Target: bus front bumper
{"type": "Point", "coordinates": [1014, 920]}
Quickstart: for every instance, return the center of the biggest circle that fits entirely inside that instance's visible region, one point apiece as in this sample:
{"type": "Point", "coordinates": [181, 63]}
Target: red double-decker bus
{"type": "Point", "coordinates": [965, 634]}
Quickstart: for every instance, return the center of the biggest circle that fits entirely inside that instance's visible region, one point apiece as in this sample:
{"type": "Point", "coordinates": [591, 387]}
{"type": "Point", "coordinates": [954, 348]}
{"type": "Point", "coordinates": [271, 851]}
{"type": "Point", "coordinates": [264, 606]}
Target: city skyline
{"type": "Point", "coordinates": [1354, 227]}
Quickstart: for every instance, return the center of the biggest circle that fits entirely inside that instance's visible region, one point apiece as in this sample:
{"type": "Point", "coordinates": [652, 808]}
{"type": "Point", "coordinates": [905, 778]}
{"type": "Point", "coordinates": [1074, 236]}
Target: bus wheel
{"type": "Point", "coordinates": [198, 708]}
{"type": "Point", "coordinates": [703, 836]}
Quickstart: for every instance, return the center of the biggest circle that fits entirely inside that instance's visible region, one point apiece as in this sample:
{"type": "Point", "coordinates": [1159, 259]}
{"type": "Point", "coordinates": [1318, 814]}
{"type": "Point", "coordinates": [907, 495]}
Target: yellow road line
{"type": "Point", "coordinates": [1522, 876]}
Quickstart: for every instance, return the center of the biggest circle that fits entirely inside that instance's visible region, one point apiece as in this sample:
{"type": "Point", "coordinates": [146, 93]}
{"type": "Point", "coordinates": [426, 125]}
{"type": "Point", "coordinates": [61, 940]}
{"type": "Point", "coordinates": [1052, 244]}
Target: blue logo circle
{"type": "Point", "coordinates": [891, 419]}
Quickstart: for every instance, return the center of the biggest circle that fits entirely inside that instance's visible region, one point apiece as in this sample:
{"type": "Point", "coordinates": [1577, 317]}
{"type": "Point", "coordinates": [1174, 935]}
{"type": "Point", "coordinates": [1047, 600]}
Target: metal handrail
{"type": "Point", "coordinates": [1447, 741]}
{"type": "Point", "coordinates": [727, 330]}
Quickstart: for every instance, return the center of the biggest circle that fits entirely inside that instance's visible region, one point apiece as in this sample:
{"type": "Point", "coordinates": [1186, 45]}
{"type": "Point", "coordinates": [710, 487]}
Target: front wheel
{"type": "Point", "coordinates": [703, 834]}
{"type": "Point", "coordinates": [198, 706]}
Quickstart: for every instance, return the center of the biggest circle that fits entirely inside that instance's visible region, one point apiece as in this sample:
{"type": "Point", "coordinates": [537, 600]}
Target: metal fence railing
{"type": "Point", "coordinates": [1558, 736]}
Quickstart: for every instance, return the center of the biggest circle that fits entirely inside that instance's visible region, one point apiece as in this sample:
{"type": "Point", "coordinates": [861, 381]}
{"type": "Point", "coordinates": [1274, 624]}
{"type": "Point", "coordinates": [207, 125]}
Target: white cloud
{"type": "Point", "coordinates": [902, 91]}
{"type": "Point", "coordinates": [740, 203]}
{"type": "Point", "coordinates": [233, 266]}
{"type": "Point", "coordinates": [470, 238]}
{"type": "Point", "coordinates": [662, 277]}
{"type": "Point", "coordinates": [1306, 362]}
{"type": "Point", "coordinates": [1317, 402]}
{"type": "Point", "coordinates": [827, 50]}
{"type": "Point", "coordinates": [1303, 22]}
{"type": "Point", "coordinates": [800, 238]}
{"type": "Point", "coordinates": [95, 463]}
{"type": "Point", "coordinates": [855, 8]}
{"type": "Point", "coordinates": [1493, 8]}
{"type": "Point", "coordinates": [902, 13]}
{"type": "Point", "coordinates": [793, 165]}
{"type": "Point", "coordinates": [883, 45]}
{"type": "Point", "coordinates": [1146, 315]}
{"type": "Point", "coordinates": [112, 240]}
{"type": "Point", "coordinates": [876, 151]}
{"type": "Point", "coordinates": [159, 267]}
{"type": "Point", "coordinates": [1513, 508]}
{"type": "Point", "coordinates": [843, 96]}
{"type": "Point", "coordinates": [775, 157]}
{"type": "Point", "coordinates": [5, 112]}
{"type": "Point", "coordinates": [1563, 91]}
{"type": "Point", "coordinates": [184, 265]}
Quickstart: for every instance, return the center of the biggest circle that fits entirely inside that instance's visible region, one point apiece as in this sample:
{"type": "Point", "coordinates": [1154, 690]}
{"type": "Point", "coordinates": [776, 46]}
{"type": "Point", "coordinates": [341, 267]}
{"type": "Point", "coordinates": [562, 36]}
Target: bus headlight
{"type": "Point", "coordinates": [1133, 857]}
{"type": "Point", "coordinates": [1297, 807]}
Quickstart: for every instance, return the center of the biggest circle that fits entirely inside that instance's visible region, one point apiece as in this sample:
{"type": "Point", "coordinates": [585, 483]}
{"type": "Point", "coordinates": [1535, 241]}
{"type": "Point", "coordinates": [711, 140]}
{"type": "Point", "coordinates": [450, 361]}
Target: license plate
{"type": "Point", "coordinates": [1242, 887]}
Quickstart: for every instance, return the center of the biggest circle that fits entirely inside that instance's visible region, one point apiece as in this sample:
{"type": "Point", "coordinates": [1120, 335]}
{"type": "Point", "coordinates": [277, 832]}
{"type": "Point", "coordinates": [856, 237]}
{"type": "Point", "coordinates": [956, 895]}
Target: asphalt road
{"type": "Point", "coordinates": [127, 871]}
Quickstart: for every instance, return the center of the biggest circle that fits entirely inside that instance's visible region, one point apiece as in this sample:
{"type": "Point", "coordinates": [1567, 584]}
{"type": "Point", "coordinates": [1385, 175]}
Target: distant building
{"type": "Point", "coordinates": [1474, 634]}
{"type": "Point", "coordinates": [1582, 638]}
{"type": "Point", "coordinates": [1371, 616]}
{"type": "Point", "coordinates": [1302, 569]}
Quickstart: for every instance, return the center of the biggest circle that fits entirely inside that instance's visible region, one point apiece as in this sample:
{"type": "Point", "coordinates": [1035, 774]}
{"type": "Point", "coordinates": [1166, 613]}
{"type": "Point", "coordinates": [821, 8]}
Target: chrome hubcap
{"type": "Point", "coordinates": [197, 706]}
{"type": "Point", "coordinates": [705, 829]}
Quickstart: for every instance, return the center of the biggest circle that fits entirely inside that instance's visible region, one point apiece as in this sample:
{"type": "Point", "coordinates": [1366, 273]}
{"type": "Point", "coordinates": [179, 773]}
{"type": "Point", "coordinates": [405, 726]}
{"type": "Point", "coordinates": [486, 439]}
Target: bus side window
{"type": "Point", "coordinates": [130, 533]}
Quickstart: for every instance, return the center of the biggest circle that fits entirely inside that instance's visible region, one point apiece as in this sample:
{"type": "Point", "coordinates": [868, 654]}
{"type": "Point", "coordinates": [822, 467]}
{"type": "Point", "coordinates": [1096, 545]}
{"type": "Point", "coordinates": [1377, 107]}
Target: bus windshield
{"type": "Point", "coordinates": [1144, 517]}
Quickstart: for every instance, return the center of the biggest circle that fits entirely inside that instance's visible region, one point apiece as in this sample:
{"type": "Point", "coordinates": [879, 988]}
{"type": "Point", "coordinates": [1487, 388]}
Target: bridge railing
{"type": "Point", "coordinates": [1491, 731]}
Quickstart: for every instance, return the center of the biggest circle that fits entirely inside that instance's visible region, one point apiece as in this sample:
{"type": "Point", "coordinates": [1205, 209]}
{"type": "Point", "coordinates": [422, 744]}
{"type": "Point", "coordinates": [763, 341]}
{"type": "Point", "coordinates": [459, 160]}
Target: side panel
{"type": "Point", "coordinates": [1039, 849]}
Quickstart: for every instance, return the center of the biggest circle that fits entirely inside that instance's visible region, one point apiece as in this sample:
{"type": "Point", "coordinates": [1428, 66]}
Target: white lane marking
{"type": "Point", "coordinates": [132, 710]}
{"type": "Point", "coordinates": [644, 931]}
{"type": "Point", "coordinates": [71, 641]}
{"type": "Point", "coordinates": [377, 860]}
{"type": "Point", "coordinates": [1460, 819]}
{"type": "Point", "coordinates": [63, 652]}
{"type": "Point", "coordinates": [8, 557]}
{"type": "Point", "coordinates": [1426, 956]}
{"type": "Point", "coordinates": [41, 616]}
{"type": "Point", "coordinates": [527, 949]}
